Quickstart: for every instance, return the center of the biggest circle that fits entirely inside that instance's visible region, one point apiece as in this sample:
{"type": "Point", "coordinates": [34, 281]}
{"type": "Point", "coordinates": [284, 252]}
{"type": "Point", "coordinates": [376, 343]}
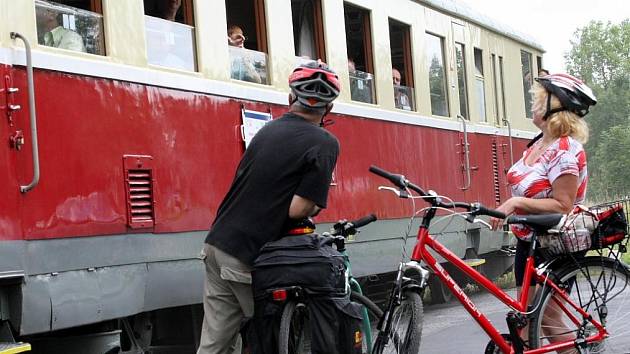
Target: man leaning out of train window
{"type": "Point", "coordinates": [242, 66]}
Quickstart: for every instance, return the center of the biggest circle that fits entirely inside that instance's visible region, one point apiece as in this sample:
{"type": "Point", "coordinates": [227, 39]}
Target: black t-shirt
{"type": "Point", "coordinates": [287, 156]}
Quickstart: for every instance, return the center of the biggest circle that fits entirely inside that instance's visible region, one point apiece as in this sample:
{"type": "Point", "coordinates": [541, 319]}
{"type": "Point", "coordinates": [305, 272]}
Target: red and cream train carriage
{"type": "Point", "coordinates": [138, 131]}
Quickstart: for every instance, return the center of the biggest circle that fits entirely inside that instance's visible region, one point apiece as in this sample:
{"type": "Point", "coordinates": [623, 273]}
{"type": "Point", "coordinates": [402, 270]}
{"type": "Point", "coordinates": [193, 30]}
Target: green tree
{"type": "Point", "coordinates": [600, 55]}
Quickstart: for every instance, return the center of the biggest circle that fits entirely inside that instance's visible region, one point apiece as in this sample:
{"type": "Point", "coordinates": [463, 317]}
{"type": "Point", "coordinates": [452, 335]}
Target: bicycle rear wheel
{"type": "Point", "coordinates": [599, 285]}
{"type": "Point", "coordinates": [406, 328]}
{"type": "Point", "coordinates": [294, 335]}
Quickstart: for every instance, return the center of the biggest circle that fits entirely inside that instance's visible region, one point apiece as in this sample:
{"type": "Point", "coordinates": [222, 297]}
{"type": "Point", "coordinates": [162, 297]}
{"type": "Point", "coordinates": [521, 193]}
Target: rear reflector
{"type": "Point", "coordinates": [279, 295]}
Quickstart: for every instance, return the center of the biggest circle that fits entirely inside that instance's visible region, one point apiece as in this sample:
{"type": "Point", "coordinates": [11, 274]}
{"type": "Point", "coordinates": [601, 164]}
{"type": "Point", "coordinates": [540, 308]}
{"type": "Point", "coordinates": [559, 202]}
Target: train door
{"type": "Point", "coordinates": [12, 126]}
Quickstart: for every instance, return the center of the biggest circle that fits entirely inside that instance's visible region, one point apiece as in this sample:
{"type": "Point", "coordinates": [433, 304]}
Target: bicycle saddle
{"type": "Point", "coordinates": [540, 223]}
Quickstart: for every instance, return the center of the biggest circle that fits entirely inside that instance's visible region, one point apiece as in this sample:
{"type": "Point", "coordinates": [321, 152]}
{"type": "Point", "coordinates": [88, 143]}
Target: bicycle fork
{"type": "Point", "coordinates": [401, 285]}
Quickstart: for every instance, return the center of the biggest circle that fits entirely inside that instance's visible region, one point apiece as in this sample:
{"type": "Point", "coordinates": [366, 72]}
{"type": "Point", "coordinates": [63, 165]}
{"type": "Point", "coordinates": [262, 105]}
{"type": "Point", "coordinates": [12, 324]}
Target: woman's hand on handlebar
{"type": "Point", "coordinates": [506, 208]}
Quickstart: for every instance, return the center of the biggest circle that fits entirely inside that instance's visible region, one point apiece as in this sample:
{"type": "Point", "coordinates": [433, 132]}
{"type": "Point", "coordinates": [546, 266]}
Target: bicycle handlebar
{"type": "Point", "coordinates": [348, 228]}
{"type": "Point", "coordinates": [401, 182]}
{"type": "Point", "coordinates": [398, 180]}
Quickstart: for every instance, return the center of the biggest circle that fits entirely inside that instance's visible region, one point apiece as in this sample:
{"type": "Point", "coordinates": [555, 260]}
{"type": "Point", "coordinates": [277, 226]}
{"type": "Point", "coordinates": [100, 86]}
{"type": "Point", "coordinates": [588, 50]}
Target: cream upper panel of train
{"type": "Point", "coordinates": [397, 59]}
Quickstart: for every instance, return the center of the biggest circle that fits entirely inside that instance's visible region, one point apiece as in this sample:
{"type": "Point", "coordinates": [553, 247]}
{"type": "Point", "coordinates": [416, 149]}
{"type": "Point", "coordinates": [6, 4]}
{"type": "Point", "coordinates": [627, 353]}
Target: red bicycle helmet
{"type": "Point", "coordinates": [314, 84]}
{"type": "Point", "coordinates": [574, 95]}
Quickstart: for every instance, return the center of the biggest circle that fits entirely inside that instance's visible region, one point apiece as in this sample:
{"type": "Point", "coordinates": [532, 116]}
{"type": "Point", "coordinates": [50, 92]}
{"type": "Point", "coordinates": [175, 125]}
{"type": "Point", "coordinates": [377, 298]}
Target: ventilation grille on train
{"type": "Point", "coordinates": [140, 195]}
{"type": "Point", "coordinates": [495, 174]}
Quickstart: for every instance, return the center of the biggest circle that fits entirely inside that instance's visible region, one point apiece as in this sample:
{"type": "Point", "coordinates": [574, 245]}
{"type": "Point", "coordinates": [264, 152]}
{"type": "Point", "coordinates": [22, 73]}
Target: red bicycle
{"type": "Point", "coordinates": [580, 305]}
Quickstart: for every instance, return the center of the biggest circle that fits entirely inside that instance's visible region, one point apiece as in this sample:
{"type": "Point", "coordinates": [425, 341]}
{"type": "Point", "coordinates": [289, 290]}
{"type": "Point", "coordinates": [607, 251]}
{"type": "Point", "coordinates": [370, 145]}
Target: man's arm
{"type": "Point", "coordinates": [301, 208]}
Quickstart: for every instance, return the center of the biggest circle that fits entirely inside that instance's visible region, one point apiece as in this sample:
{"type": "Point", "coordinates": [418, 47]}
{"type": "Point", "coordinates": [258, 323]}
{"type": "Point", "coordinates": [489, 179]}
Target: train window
{"type": "Point", "coordinates": [360, 64]}
{"type": "Point", "coordinates": [460, 62]}
{"type": "Point", "coordinates": [247, 39]}
{"type": "Point", "coordinates": [170, 34]}
{"type": "Point", "coordinates": [308, 30]}
{"type": "Point", "coordinates": [402, 70]}
{"type": "Point", "coordinates": [526, 67]}
{"type": "Point", "coordinates": [502, 85]}
{"type": "Point", "coordinates": [495, 86]}
{"type": "Point", "coordinates": [479, 85]}
{"type": "Point", "coordinates": [437, 75]}
{"type": "Point", "coordinates": [71, 25]}
{"type": "Point", "coordinates": [539, 63]}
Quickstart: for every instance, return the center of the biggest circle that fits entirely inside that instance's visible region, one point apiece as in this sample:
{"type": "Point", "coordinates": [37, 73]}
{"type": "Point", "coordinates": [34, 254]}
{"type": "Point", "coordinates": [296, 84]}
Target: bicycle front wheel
{"type": "Point", "coordinates": [599, 285]}
{"type": "Point", "coordinates": [294, 335]}
{"type": "Point", "coordinates": [406, 327]}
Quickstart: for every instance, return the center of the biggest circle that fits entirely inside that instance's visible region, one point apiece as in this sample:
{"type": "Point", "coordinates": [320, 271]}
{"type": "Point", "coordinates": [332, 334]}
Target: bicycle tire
{"type": "Point", "coordinates": [595, 284]}
{"type": "Point", "coordinates": [293, 337]}
{"type": "Point", "coordinates": [406, 329]}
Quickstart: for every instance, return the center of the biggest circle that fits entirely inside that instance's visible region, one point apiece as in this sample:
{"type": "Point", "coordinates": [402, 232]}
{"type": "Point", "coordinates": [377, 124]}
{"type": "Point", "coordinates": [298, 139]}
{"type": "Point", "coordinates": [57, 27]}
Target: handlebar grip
{"type": "Point", "coordinates": [491, 212]}
{"type": "Point", "coordinates": [364, 221]}
{"type": "Point", "coordinates": [396, 179]}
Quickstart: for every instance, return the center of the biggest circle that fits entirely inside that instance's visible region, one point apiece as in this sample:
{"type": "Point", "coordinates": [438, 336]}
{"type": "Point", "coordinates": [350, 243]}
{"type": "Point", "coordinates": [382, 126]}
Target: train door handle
{"type": "Point", "coordinates": [32, 114]}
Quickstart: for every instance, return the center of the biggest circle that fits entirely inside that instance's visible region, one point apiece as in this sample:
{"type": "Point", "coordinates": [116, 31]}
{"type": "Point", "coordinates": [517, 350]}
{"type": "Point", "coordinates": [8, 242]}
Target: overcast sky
{"type": "Point", "coordinates": [551, 22]}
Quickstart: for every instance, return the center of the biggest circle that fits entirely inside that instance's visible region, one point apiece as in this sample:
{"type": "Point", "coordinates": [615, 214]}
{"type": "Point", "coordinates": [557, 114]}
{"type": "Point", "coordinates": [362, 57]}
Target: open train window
{"type": "Point", "coordinates": [479, 85]}
{"type": "Point", "coordinates": [437, 75]}
{"type": "Point", "coordinates": [170, 34]}
{"type": "Point", "coordinates": [180, 11]}
{"type": "Point", "coordinates": [71, 24]}
{"type": "Point", "coordinates": [402, 69]}
{"type": "Point", "coordinates": [308, 30]}
{"type": "Point", "coordinates": [247, 40]}
{"type": "Point", "coordinates": [526, 69]}
{"type": "Point", "coordinates": [360, 64]}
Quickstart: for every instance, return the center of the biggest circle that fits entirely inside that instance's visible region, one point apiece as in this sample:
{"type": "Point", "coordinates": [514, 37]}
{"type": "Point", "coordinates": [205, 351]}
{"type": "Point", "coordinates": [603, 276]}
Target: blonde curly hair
{"type": "Point", "coordinates": [559, 124]}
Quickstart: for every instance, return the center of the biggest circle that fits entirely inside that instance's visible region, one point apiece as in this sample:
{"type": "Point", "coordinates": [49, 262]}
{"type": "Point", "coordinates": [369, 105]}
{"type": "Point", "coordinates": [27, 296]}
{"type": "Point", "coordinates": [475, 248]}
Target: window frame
{"type": "Point", "coordinates": [407, 73]}
{"type": "Point", "coordinates": [261, 26]}
{"type": "Point", "coordinates": [442, 40]}
{"type": "Point", "coordinates": [318, 29]}
{"type": "Point", "coordinates": [502, 81]}
{"type": "Point", "coordinates": [526, 94]}
{"type": "Point", "coordinates": [481, 78]}
{"type": "Point", "coordinates": [464, 75]}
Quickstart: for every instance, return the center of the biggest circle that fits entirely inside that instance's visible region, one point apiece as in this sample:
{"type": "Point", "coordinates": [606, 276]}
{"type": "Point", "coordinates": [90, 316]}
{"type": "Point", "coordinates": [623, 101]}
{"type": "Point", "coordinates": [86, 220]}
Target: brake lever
{"type": "Point", "coordinates": [480, 221]}
{"type": "Point", "coordinates": [399, 193]}
{"type": "Point", "coordinates": [468, 217]}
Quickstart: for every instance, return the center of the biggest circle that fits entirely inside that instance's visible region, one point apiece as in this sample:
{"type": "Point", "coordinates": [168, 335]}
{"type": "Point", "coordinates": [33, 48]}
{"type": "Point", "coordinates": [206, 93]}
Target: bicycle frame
{"type": "Point", "coordinates": [356, 287]}
{"type": "Point", "coordinates": [421, 253]}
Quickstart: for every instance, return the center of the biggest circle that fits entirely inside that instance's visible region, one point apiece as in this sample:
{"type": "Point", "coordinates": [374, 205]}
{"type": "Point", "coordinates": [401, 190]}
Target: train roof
{"type": "Point", "coordinates": [465, 12]}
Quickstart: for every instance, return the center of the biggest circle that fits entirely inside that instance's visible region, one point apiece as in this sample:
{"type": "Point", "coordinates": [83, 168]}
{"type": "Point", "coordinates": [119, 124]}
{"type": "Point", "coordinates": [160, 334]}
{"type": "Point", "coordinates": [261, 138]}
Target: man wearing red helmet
{"type": "Point", "coordinates": [283, 175]}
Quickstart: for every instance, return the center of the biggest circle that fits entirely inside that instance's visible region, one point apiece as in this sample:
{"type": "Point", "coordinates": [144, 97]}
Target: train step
{"type": "Point", "coordinates": [12, 348]}
{"type": "Point", "coordinates": [475, 262]}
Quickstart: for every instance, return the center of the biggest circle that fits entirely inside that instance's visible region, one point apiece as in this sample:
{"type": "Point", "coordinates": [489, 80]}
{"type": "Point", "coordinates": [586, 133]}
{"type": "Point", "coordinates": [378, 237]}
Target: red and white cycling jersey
{"type": "Point", "coordinates": [565, 156]}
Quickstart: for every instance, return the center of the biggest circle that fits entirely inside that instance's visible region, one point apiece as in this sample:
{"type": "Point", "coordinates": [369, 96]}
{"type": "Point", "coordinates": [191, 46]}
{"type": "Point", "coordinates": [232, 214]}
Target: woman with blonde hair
{"type": "Point", "coordinates": [551, 177]}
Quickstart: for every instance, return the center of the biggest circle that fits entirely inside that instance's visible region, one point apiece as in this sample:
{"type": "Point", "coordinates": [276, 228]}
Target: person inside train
{"type": "Point", "coordinates": [242, 66]}
{"type": "Point", "coordinates": [55, 34]}
{"type": "Point", "coordinates": [551, 177]}
{"type": "Point", "coordinates": [284, 175]}
{"type": "Point", "coordinates": [401, 99]}
{"type": "Point", "coordinates": [167, 9]}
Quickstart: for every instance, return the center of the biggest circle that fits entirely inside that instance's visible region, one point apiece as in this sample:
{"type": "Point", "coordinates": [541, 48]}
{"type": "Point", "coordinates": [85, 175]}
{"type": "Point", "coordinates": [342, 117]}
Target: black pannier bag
{"type": "Point", "coordinates": [612, 227]}
{"type": "Point", "coordinates": [335, 325]}
{"type": "Point", "coordinates": [300, 260]}
{"type": "Point", "coordinates": [309, 262]}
